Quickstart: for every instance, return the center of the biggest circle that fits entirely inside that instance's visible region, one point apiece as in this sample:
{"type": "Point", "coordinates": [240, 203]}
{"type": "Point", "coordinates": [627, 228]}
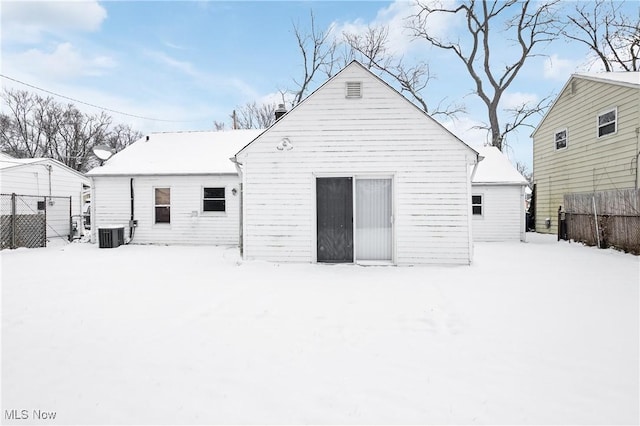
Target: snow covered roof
{"type": "Point", "coordinates": [178, 153]}
{"type": "Point", "coordinates": [620, 77]}
{"type": "Point", "coordinates": [496, 168]}
{"type": "Point", "coordinates": [8, 162]}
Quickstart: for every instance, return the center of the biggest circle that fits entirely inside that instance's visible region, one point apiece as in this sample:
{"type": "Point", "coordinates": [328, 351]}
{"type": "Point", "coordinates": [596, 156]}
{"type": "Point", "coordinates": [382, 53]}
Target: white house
{"type": "Point", "coordinates": [498, 199]}
{"type": "Point", "coordinates": [357, 173]}
{"type": "Point", "coordinates": [172, 188]}
{"type": "Point", "coordinates": [37, 178]}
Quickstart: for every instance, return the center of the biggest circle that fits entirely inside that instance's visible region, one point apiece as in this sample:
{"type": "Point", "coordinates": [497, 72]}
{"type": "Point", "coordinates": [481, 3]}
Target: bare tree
{"type": "Point", "coordinates": [26, 127]}
{"type": "Point", "coordinates": [524, 170]}
{"type": "Point", "coordinates": [254, 116]}
{"type": "Point", "coordinates": [250, 116]}
{"type": "Point", "coordinates": [527, 23]}
{"type": "Point", "coordinates": [40, 127]}
{"type": "Point", "coordinates": [371, 48]}
{"type": "Point", "coordinates": [318, 51]}
{"type": "Point", "coordinates": [611, 35]}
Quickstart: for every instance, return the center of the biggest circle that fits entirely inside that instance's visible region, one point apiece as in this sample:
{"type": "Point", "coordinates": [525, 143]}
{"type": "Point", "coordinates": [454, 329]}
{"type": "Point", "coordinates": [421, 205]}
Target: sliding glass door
{"type": "Point", "coordinates": [373, 239]}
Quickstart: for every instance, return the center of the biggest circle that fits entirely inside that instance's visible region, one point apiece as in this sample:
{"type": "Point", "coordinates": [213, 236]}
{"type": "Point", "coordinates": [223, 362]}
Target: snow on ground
{"type": "Point", "coordinates": [534, 333]}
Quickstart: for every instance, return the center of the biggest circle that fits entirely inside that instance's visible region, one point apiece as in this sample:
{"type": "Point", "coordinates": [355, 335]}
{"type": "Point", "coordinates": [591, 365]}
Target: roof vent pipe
{"type": "Point", "coordinates": [280, 111]}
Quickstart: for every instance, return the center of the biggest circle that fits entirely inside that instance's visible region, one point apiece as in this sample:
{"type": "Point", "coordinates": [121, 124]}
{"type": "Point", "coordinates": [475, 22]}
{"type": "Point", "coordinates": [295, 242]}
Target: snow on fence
{"type": "Point", "coordinates": [603, 219]}
{"type": "Point", "coordinates": [29, 221]}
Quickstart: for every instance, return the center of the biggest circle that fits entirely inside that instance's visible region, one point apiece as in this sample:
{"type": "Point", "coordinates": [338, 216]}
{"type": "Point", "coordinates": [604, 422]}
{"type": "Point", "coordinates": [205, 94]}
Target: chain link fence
{"type": "Point", "coordinates": [30, 221]}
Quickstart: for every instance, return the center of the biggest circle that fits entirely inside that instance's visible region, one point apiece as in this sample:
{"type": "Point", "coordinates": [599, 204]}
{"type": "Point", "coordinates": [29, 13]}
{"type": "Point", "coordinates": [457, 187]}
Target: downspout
{"type": "Point", "coordinates": [50, 168]}
{"type": "Point", "coordinates": [479, 158]}
{"type": "Point", "coordinates": [92, 210]}
{"type": "Point", "coordinates": [238, 165]}
{"type": "Point", "coordinates": [132, 221]}
{"type": "Point", "coordinates": [523, 214]}
{"type": "Point", "coordinates": [637, 155]}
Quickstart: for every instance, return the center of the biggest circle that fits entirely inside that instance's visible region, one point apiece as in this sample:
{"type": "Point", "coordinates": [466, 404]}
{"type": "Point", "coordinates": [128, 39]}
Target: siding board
{"type": "Point", "coordinates": [189, 224]}
{"type": "Point", "coordinates": [381, 134]}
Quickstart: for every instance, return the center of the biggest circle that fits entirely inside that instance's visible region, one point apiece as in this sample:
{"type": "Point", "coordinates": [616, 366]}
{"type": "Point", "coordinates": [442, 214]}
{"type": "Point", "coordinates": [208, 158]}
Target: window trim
{"type": "Point", "coordinates": [481, 204]}
{"type": "Point", "coordinates": [566, 139]}
{"type": "Point", "coordinates": [615, 122]}
{"type": "Point", "coordinates": [155, 205]}
{"type": "Point", "coordinates": [202, 200]}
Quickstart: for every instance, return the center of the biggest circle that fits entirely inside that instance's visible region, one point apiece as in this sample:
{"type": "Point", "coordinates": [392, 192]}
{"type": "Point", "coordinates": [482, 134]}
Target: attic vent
{"type": "Point", "coordinates": [354, 89]}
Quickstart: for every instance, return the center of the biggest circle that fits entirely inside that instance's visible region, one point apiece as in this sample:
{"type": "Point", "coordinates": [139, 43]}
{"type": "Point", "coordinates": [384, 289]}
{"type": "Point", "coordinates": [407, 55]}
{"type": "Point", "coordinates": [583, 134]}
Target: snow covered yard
{"type": "Point", "coordinates": [541, 332]}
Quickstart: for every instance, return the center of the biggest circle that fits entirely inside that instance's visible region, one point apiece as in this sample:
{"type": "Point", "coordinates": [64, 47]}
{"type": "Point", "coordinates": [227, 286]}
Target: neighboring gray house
{"type": "Point", "coordinates": [498, 199]}
{"type": "Point", "coordinates": [179, 188]}
{"type": "Point", "coordinates": [357, 173]}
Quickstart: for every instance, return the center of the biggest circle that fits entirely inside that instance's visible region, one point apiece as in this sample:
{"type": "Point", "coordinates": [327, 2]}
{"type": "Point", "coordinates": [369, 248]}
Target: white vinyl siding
{"type": "Point", "coordinates": [502, 216]}
{"type": "Point", "coordinates": [590, 163]}
{"type": "Point", "coordinates": [189, 225]}
{"type": "Point", "coordinates": [383, 135]}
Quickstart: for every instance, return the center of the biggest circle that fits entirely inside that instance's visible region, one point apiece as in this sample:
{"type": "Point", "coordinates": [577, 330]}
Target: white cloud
{"type": "Point", "coordinates": [65, 61]}
{"type": "Point", "coordinates": [394, 17]}
{"type": "Point", "coordinates": [467, 130]}
{"type": "Point", "coordinates": [558, 69]}
{"type": "Point", "coordinates": [207, 80]}
{"type": "Point", "coordinates": [26, 21]}
{"type": "Point", "coordinates": [517, 99]}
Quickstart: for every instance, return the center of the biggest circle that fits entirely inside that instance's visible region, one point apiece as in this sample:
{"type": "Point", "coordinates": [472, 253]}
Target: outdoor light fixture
{"type": "Point", "coordinates": [285, 144]}
{"type": "Point", "coordinates": [103, 152]}
{"type": "Point", "coordinates": [234, 191]}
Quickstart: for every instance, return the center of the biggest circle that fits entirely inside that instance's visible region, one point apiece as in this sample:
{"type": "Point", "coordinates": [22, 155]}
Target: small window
{"type": "Point", "coordinates": [213, 200]}
{"type": "Point", "coordinates": [561, 139]}
{"type": "Point", "coordinates": [163, 205]}
{"type": "Point", "coordinates": [476, 204]}
{"type": "Point", "coordinates": [607, 122]}
{"type": "Point", "coordinates": [354, 89]}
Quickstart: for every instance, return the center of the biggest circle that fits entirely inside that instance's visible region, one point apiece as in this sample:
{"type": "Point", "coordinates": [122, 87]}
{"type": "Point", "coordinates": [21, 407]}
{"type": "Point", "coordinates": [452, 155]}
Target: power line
{"type": "Point", "coordinates": [92, 105]}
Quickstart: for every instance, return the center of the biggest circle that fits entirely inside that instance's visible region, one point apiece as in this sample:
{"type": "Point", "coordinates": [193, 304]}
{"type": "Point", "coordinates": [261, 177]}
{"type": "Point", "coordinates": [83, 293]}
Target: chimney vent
{"type": "Point", "coordinates": [280, 111]}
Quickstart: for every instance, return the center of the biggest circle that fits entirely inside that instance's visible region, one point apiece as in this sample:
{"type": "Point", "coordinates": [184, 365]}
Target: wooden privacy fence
{"type": "Point", "coordinates": [603, 219]}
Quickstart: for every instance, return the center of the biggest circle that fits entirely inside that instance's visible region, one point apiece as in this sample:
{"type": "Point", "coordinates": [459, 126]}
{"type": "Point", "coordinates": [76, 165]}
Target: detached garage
{"type": "Point", "coordinates": [357, 173]}
{"type": "Point", "coordinates": [498, 199]}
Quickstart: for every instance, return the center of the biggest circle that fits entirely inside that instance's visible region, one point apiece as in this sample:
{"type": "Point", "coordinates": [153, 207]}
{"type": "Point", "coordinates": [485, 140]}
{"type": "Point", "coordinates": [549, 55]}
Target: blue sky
{"type": "Point", "coordinates": [190, 63]}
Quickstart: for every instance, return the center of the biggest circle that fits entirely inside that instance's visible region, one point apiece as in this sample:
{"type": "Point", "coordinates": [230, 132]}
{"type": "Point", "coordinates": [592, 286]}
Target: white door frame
{"type": "Point", "coordinates": [354, 176]}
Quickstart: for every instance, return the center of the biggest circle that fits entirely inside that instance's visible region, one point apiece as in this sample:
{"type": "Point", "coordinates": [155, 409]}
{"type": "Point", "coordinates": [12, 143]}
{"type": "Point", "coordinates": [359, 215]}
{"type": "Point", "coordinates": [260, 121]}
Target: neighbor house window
{"type": "Point", "coordinates": [476, 204]}
{"type": "Point", "coordinates": [607, 122]}
{"type": "Point", "coordinates": [561, 139]}
{"type": "Point", "coordinates": [213, 200]}
{"type": "Point", "coordinates": [163, 205]}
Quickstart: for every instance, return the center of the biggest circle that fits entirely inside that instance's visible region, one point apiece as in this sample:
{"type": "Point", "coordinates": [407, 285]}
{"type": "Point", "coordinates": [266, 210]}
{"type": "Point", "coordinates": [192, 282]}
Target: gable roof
{"type": "Point", "coordinates": [358, 64]}
{"type": "Point", "coordinates": [178, 153]}
{"type": "Point", "coordinates": [495, 168]}
{"type": "Point", "coordinates": [9, 162]}
{"type": "Point", "coordinates": [623, 78]}
{"type": "Point", "coordinates": [619, 78]}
